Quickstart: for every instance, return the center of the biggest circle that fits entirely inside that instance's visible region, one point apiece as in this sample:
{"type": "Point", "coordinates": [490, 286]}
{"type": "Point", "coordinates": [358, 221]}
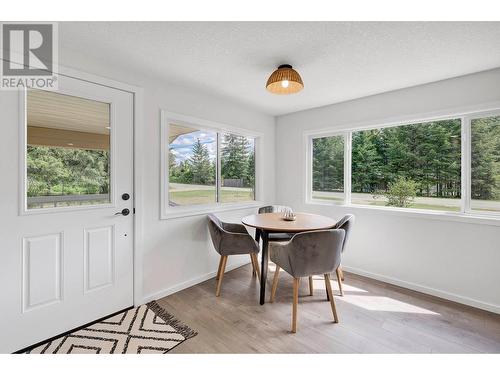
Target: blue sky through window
{"type": "Point", "coordinates": [182, 147]}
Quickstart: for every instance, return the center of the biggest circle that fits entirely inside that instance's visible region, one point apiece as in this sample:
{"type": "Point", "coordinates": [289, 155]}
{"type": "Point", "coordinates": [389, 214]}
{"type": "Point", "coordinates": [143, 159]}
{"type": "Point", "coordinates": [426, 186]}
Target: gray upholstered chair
{"type": "Point", "coordinates": [307, 254]}
{"type": "Point", "coordinates": [274, 236]}
{"type": "Point", "coordinates": [231, 239]}
{"type": "Point", "coordinates": [346, 224]}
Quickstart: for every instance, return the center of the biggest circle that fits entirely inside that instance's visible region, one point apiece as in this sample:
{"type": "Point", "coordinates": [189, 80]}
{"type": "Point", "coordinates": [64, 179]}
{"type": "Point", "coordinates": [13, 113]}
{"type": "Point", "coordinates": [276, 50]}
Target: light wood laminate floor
{"type": "Point", "coordinates": [375, 317]}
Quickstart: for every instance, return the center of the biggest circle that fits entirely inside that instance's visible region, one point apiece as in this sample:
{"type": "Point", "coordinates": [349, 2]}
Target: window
{"type": "Point", "coordinates": [67, 151]}
{"type": "Point", "coordinates": [192, 161]}
{"type": "Point", "coordinates": [485, 164]}
{"type": "Point", "coordinates": [447, 165]}
{"type": "Point", "coordinates": [237, 168]}
{"type": "Point", "coordinates": [207, 166]}
{"type": "Point", "coordinates": [414, 166]}
{"type": "Point", "coordinates": [328, 168]}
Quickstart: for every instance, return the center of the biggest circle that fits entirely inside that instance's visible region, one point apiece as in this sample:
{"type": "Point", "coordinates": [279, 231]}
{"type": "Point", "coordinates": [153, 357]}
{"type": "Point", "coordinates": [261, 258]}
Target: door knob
{"type": "Point", "coordinates": [123, 212]}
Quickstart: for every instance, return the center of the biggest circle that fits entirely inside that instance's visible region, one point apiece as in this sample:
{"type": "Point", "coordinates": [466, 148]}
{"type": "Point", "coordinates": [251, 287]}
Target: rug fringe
{"type": "Point", "coordinates": [171, 320]}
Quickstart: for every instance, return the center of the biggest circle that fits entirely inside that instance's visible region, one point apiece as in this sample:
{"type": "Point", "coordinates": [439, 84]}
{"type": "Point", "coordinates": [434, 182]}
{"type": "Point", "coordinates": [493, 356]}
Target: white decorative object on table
{"type": "Point", "coordinates": [288, 215]}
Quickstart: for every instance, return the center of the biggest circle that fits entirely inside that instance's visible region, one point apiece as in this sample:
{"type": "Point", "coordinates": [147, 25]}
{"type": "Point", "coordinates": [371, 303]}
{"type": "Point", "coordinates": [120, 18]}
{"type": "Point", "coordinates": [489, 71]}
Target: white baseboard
{"type": "Point", "coordinates": [186, 284]}
{"type": "Point", "coordinates": [424, 289]}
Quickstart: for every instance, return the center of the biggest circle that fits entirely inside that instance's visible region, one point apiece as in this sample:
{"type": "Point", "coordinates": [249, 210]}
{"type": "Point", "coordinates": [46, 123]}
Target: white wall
{"type": "Point", "coordinates": [455, 260]}
{"type": "Point", "coordinates": [178, 253]}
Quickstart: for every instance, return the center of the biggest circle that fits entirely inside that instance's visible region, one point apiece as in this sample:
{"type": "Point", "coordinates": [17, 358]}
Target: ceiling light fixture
{"type": "Point", "coordinates": [284, 80]}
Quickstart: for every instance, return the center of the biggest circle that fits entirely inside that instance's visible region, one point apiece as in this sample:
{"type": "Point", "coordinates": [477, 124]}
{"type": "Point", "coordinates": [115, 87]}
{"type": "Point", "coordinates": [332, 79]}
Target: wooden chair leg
{"type": "Point", "coordinates": [295, 303]}
{"type": "Point", "coordinates": [253, 266]}
{"type": "Point", "coordinates": [330, 295]}
{"type": "Point", "coordinates": [311, 286]}
{"type": "Point", "coordinates": [218, 270]}
{"type": "Point", "coordinates": [339, 280]}
{"type": "Point", "coordinates": [221, 275]}
{"type": "Point", "coordinates": [341, 273]}
{"type": "Point", "coordinates": [255, 263]}
{"type": "Point", "coordinates": [275, 283]}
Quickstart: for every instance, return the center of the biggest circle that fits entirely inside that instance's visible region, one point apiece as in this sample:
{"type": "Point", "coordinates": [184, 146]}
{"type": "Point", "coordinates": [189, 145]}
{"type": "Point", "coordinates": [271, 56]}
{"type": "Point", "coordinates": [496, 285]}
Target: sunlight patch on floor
{"type": "Point", "coordinates": [319, 284]}
{"type": "Point", "coordinates": [380, 303]}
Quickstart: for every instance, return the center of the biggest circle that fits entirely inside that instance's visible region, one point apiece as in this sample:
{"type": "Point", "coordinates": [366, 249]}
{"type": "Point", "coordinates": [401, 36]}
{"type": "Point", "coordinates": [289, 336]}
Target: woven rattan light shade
{"type": "Point", "coordinates": [284, 73]}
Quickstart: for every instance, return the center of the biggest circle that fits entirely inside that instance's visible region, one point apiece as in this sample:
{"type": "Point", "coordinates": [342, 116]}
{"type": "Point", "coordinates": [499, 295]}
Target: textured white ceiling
{"type": "Point", "coordinates": [338, 61]}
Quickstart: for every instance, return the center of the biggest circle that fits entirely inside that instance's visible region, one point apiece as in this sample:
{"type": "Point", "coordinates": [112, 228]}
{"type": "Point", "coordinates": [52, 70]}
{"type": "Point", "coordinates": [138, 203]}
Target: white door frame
{"type": "Point", "coordinates": [138, 94]}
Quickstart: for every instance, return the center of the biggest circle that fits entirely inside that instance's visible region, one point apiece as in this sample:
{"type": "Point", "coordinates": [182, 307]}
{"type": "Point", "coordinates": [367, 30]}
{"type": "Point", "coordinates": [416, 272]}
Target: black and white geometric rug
{"type": "Point", "coordinates": [145, 329]}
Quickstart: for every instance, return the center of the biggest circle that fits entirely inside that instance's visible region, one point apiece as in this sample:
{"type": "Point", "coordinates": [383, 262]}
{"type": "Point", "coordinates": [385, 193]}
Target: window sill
{"type": "Point", "coordinates": [177, 212]}
{"type": "Point", "coordinates": [471, 218]}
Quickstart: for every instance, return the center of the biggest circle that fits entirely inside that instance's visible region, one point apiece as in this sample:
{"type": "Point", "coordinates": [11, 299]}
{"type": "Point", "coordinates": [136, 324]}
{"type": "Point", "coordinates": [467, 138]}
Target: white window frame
{"type": "Point", "coordinates": [465, 213]}
{"type": "Point", "coordinates": [169, 212]}
{"type": "Point", "coordinates": [467, 124]}
{"type": "Point", "coordinates": [309, 170]}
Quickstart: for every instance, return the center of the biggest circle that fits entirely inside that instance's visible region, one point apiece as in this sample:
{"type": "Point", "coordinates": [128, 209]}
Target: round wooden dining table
{"type": "Point", "coordinates": [274, 223]}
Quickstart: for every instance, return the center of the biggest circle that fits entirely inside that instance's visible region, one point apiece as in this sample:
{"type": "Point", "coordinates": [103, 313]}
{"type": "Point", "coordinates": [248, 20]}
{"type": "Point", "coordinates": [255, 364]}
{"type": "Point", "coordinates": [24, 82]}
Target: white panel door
{"type": "Point", "coordinates": [66, 240]}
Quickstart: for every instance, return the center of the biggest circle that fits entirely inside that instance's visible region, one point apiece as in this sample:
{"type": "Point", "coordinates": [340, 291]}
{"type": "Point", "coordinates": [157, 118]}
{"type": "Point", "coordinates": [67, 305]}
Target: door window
{"type": "Point", "coordinates": [67, 150]}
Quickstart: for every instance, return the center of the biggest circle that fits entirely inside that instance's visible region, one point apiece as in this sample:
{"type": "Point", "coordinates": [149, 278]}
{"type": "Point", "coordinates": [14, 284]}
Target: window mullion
{"type": "Point", "coordinates": [218, 180]}
{"type": "Point", "coordinates": [347, 167]}
{"type": "Point", "coordinates": [466, 165]}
